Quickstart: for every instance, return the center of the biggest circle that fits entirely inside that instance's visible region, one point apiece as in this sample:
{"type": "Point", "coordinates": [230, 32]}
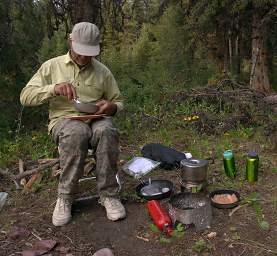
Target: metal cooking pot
{"type": "Point", "coordinates": [194, 170]}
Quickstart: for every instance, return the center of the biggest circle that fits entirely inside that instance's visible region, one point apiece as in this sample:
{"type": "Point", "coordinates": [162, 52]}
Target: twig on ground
{"type": "Point", "coordinates": [76, 247]}
{"type": "Point", "coordinates": [35, 235]}
{"type": "Point", "coordinates": [259, 252]}
{"type": "Point", "coordinates": [17, 186]}
{"type": "Point", "coordinates": [256, 245]}
{"type": "Point", "coordinates": [143, 238]}
{"type": "Point", "coordinates": [243, 251]}
{"type": "Point", "coordinates": [235, 209]}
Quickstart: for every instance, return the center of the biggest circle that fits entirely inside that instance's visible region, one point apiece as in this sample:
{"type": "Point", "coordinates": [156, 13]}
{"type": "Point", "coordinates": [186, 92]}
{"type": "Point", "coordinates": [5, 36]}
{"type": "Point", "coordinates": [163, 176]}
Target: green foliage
{"type": "Point", "coordinates": [264, 225]}
{"type": "Point", "coordinates": [274, 170]}
{"type": "Point", "coordinates": [29, 146]}
{"type": "Point", "coordinates": [254, 200]}
{"type": "Point", "coordinates": [154, 228]}
{"type": "Point", "coordinates": [23, 31]}
{"type": "Point", "coordinates": [53, 47]}
{"type": "Point", "coordinates": [164, 239]}
{"type": "Point", "coordinates": [142, 50]}
{"type": "Point", "coordinates": [178, 231]}
{"type": "Point", "coordinates": [200, 246]}
{"type": "Point", "coordinates": [156, 54]}
{"type": "Point", "coordinates": [235, 236]}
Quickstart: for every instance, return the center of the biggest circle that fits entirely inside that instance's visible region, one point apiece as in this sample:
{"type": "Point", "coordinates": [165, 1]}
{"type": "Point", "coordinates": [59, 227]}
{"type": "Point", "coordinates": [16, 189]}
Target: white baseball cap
{"type": "Point", "coordinates": [85, 38]}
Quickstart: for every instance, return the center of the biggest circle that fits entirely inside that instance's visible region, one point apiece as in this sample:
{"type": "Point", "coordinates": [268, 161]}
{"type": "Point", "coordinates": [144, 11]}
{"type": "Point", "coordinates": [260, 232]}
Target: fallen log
{"type": "Point", "coordinates": [38, 169]}
{"type": "Point", "coordinates": [18, 177]}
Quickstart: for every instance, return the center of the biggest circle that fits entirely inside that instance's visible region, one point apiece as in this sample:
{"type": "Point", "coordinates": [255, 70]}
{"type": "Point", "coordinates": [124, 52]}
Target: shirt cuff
{"type": "Point", "coordinates": [51, 90]}
{"type": "Point", "coordinates": [119, 106]}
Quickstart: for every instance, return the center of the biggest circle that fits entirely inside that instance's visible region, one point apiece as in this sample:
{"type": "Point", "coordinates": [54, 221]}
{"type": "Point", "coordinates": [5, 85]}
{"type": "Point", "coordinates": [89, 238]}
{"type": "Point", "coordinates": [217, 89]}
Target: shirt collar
{"type": "Point", "coordinates": [68, 60]}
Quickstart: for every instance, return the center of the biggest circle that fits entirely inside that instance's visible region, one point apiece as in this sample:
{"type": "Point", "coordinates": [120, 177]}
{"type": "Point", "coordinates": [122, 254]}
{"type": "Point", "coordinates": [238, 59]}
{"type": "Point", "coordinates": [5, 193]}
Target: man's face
{"type": "Point", "coordinates": [80, 60]}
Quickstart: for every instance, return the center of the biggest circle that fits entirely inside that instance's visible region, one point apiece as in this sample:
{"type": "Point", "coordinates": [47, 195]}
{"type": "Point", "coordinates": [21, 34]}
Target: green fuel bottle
{"type": "Point", "coordinates": [252, 166]}
{"type": "Point", "coordinates": [229, 164]}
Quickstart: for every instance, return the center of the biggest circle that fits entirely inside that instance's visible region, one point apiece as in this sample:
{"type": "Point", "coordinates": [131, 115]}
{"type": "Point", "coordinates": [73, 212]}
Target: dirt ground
{"type": "Point", "coordinates": [90, 230]}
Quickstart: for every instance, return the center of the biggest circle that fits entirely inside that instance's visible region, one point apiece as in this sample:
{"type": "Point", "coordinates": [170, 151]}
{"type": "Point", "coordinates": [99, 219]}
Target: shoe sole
{"type": "Point", "coordinates": [110, 217]}
{"type": "Point", "coordinates": [59, 223]}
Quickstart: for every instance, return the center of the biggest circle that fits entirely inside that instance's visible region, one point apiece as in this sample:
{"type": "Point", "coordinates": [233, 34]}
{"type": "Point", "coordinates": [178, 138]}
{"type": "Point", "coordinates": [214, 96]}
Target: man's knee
{"type": "Point", "coordinates": [75, 137]}
{"type": "Point", "coordinates": [106, 131]}
{"type": "Point", "coordinates": [79, 135]}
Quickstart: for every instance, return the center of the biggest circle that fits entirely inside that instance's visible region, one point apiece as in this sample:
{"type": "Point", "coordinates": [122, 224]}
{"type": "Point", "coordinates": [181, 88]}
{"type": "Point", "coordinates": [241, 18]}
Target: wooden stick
{"type": "Point", "coordinates": [142, 238]}
{"type": "Point", "coordinates": [39, 168]}
{"type": "Point", "coordinates": [21, 168]}
{"type": "Point", "coordinates": [237, 208]}
{"type": "Point", "coordinates": [31, 181]}
{"type": "Point", "coordinates": [46, 160]}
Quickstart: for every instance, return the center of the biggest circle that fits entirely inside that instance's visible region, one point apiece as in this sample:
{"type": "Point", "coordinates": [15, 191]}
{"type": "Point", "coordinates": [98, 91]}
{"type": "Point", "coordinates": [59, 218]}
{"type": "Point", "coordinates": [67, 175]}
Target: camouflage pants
{"type": "Point", "coordinates": [73, 138]}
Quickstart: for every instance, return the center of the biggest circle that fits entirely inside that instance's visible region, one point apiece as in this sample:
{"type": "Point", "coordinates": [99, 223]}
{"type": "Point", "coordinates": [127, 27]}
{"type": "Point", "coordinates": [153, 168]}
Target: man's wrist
{"type": "Point", "coordinates": [113, 109]}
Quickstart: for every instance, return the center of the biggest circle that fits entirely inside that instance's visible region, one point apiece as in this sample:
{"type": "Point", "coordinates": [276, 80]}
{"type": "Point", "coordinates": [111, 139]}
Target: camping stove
{"type": "Point", "coordinates": [192, 187]}
{"type": "Point", "coordinates": [191, 208]}
{"type": "Point", "coordinates": [192, 205]}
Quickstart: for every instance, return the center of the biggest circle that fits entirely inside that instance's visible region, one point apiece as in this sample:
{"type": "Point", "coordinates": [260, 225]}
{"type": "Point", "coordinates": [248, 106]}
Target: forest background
{"type": "Point", "coordinates": [155, 49]}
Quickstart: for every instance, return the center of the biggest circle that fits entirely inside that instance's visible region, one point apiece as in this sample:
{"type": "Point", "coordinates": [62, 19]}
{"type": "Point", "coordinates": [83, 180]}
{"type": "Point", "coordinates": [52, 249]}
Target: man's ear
{"type": "Point", "coordinates": [69, 40]}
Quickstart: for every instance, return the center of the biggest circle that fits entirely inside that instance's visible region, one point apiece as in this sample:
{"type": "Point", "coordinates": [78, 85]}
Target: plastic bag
{"type": "Point", "coordinates": [139, 166]}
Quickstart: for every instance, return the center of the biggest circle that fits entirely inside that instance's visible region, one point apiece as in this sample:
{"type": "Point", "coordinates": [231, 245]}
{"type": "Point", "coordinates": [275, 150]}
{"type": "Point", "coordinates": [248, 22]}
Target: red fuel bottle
{"type": "Point", "coordinates": [160, 217]}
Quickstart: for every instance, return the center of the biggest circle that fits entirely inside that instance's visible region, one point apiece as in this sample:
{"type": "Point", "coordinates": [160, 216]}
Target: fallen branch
{"type": "Point", "coordinates": [46, 160]}
{"type": "Point", "coordinates": [38, 169]}
{"type": "Point", "coordinates": [237, 208]}
{"type": "Point", "coordinates": [17, 178]}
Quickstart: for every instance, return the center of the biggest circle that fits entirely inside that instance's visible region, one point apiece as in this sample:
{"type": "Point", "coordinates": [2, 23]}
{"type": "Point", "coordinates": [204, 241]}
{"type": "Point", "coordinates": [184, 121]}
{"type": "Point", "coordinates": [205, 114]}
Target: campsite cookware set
{"type": "Point", "coordinates": [193, 205]}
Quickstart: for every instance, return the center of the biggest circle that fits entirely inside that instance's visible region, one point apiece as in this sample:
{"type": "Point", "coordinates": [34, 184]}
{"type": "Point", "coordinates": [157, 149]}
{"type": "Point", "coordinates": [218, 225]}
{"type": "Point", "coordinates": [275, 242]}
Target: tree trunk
{"type": "Point", "coordinates": [230, 49]}
{"type": "Point", "coordinates": [259, 71]}
{"type": "Point", "coordinates": [237, 57]}
{"type": "Point", "coordinates": [84, 10]}
{"type": "Point", "coordinates": [5, 25]}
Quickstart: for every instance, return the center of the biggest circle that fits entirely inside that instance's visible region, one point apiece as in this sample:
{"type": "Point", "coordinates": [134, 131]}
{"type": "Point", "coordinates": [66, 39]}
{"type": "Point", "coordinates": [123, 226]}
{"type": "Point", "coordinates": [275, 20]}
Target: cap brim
{"type": "Point", "coordinates": [86, 50]}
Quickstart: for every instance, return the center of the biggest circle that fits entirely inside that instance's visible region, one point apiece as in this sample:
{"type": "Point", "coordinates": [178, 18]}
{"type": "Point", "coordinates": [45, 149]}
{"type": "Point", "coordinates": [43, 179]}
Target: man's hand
{"type": "Point", "coordinates": [106, 107]}
{"type": "Point", "coordinates": [65, 89]}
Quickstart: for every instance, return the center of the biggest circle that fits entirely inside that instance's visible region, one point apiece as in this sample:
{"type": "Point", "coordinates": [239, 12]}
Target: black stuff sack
{"type": "Point", "coordinates": [169, 157]}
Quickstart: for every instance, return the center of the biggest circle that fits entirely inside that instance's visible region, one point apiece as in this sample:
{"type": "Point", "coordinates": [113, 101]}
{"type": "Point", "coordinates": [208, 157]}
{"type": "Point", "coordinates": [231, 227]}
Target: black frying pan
{"type": "Point", "coordinates": [224, 191]}
{"type": "Point", "coordinates": [158, 189]}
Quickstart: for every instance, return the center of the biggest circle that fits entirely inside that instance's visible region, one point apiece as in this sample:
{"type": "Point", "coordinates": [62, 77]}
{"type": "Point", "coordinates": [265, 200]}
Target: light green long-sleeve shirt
{"type": "Point", "coordinates": [92, 83]}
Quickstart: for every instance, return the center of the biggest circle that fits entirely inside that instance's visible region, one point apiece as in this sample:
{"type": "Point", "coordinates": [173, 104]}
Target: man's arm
{"type": "Point", "coordinates": [40, 88]}
{"type": "Point", "coordinates": [113, 100]}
